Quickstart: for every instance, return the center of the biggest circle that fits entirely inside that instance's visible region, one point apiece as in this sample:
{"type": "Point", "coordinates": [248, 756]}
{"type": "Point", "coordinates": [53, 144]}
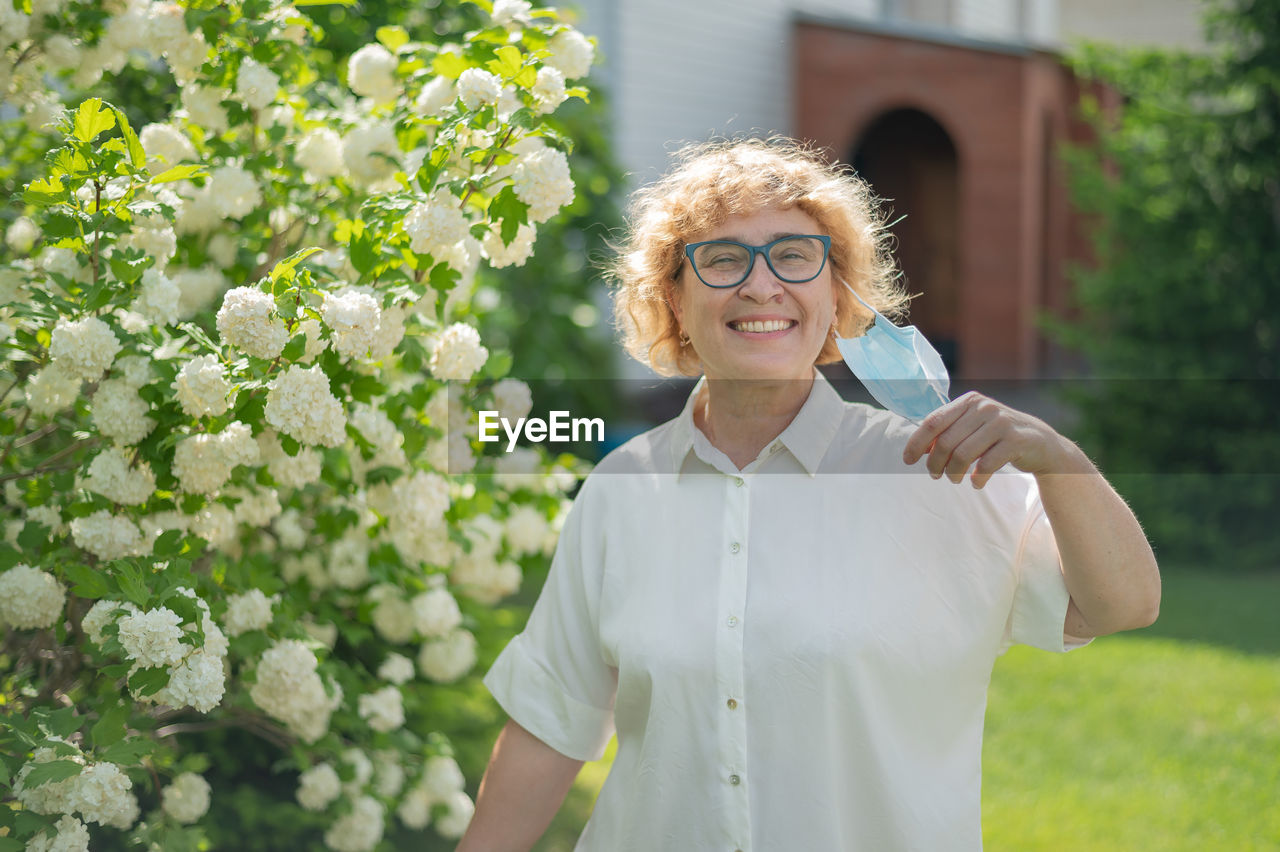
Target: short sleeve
{"type": "Point", "coordinates": [552, 678]}
{"type": "Point", "coordinates": [1040, 601]}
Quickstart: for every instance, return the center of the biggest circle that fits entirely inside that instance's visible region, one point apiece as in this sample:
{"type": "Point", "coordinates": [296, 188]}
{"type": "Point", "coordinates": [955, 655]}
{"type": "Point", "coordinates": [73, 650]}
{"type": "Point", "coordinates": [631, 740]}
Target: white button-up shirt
{"type": "Point", "coordinates": [795, 655]}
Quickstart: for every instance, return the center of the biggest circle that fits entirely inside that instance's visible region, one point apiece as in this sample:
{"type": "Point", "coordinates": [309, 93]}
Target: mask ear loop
{"type": "Point", "coordinates": [875, 315]}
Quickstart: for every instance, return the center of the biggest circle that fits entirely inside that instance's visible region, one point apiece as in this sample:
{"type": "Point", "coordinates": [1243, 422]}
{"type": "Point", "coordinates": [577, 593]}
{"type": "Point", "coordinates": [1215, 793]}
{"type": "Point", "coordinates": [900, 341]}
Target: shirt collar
{"type": "Point", "coordinates": [807, 437]}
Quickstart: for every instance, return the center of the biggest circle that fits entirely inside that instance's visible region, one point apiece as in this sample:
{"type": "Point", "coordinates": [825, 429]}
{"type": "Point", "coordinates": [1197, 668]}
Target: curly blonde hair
{"type": "Point", "coordinates": [713, 181]}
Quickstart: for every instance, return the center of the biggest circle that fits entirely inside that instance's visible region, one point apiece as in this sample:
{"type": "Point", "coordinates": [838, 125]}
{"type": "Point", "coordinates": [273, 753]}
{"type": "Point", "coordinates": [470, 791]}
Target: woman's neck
{"type": "Point", "coordinates": [740, 418]}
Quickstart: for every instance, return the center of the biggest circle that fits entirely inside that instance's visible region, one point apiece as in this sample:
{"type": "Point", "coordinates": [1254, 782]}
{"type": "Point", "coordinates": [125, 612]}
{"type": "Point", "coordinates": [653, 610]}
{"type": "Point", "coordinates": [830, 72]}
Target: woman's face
{"type": "Point", "coordinates": [797, 317]}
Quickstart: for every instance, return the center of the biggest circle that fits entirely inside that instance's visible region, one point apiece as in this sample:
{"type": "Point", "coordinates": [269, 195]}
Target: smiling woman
{"type": "Point", "coordinates": [787, 621]}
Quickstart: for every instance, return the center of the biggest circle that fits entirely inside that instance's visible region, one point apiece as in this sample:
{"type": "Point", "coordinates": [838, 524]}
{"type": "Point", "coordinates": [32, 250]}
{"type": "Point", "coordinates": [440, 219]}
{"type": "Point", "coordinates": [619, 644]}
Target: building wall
{"type": "Point", "coordinates": [1164, 23]}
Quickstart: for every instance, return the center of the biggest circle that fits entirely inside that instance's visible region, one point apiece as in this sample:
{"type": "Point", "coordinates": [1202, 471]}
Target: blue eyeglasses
{"type": "Point", "coordinates": [794, 259]}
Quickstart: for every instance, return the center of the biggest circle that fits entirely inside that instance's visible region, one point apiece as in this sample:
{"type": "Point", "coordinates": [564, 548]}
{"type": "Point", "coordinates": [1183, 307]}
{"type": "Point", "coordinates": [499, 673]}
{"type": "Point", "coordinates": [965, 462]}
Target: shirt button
{"type": "Point", "coordinates": [733, 703]}
{"type": "Point", "coordinates": [739, 481]}
{"type": "Point", "coordinates": [735, 547]}
{"type": "Point", "coordinates": [735, 780]}
{"type": "Point", "coordinates": [733, 621]}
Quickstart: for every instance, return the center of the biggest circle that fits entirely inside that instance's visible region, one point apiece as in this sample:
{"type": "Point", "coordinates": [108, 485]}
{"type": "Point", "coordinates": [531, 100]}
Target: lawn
{"type": "Point", "coordinates": [1163, 739]}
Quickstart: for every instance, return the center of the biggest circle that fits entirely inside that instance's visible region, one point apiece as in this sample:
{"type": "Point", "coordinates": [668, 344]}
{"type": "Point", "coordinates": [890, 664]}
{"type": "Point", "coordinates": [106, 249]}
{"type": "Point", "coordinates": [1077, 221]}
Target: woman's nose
{"type": "Point", "coordinates": [761, 284]}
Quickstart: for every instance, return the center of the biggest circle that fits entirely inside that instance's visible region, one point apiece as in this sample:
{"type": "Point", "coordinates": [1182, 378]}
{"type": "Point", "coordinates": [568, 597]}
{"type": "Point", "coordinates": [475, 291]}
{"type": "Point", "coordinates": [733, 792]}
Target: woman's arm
{"type": "Point", "coordinates": [1107, 562]}
{"type": "Point", "coordinates": [522, 789]}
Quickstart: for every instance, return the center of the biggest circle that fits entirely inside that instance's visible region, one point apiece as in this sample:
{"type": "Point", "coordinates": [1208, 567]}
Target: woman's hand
{"type": "Point", "coordinates": [979, 432]}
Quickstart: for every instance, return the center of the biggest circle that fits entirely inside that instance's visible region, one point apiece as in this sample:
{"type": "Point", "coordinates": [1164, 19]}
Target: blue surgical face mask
{"type": "Point", "coordinates": [899, 367]}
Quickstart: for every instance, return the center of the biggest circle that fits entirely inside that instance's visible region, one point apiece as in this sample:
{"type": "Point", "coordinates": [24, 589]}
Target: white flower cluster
{"type": "Point", "coordinates": [245, 320]}
{"type": "Point", "coordinates": [289, 689]}
{"type": "Point", "coordinates": [51, 389]}
{"type": "Point", "coordinates": [158, 299]}
{"type": "Point", "coordinates": [571, 53]}
{"type": "Point", "coordinates": [542, 181]}
{"type": "Point", "coordinates": [202, 387]}
{"type": "Point", "coordinates": [203, 463]}
{"type": "Point", "coordinates": [447, 659]}
{"type": "Point", "coordinates": [165, 146]}
{"type": "Point", "coordinates": [203, 105]}
{"type": "Point", "coordinates": [107, 536]}
{"type": "Point", "coordinates": [197, 288]}
{"type": "Point", "coordinates": [70, 835]}
{"type": "Point", "coordinates": [112, 476]}
{"type": "Point", "coordinates": [437, 94]}
{"type": "Point", "coordinates": [396, 668]}
{"type": "Point", "coordinates": [300, 405]}
{"type": "Point", "coordinates": [477, 87]}
{"type": "Point", "coordinates": [186, 799]}
{"type": "Point", "coordinates": [383, 709]}
{"type": "Point", "coordinates": [318, 786]}
{"type": "Point", "coordinates": [355, 319]}
{"type": "Point", "coordinates": [508, 12]}
{"type": "Point", "coordinates": [548, 89]}
{"type": "Point", "coordinates": [235, 191]}
{"type": "Point", "coordinates": [392, 615]}
{"type": "Point", "coordinates": [256, 84]}
{"type": "Point", "coordinates": [289, 471]}
{"type": "Point", "coordinates": [501, 255]}
{"type": "Point", "coordinates": [153, 637]}
{"type": "Point", "coordinates": [527, 531]}
{"type": "Point", "coordinates": [371, 152]}
{"type": "Point", "coordinates": [21, 235]}
{"type": "Point", "coordinates": [435, 613]}
{"type": "Point", "coordinates": [378, 429]}
{"type": "Point", "coordinates": [250, 610]}
{"type": "Point", "coordinates": [320, 153]}
{"type": "Point", "coordinates": [30, 599]}
{"type": "Point", "coordinates": [84, 348]}
{"type": "Point", "coordinates": [513, 398]}
{"type": "Point", "coordinates": [359, 830]}
{"type": "Point", "coordinates": [371, 73]}
{"type": "Point", "coordinates": [436, 225]}
{"type": "Point", "coordinates": [119, 412]}
{"type": "Point", "coordinates": [101, 793]}
{"type": "Point", "coordinates": [441, 782]}
{"type": "Point", "coordinates": [457, 354]}
{"type": "Point", "coordinates": [416, 515]}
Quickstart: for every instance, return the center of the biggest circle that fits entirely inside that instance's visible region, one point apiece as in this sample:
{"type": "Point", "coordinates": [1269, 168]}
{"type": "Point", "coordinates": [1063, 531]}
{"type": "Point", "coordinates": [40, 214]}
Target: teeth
{"type": "Point", "coordinates": [760, 327]}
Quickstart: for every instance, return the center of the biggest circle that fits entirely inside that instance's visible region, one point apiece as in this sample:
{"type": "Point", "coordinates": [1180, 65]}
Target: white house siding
{"type": "Point", "coordinates": [1163, 23]}
{"type": "Point", "coordinates": [686, 70]}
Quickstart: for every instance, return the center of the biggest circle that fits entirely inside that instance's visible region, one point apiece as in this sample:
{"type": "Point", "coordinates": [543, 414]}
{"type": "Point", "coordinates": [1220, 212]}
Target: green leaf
{"type": "Point", "coordinates": [45, 191]}
{"type": "Point", "coordinates": [63, 722]}
{"type": "Point", "coordinates": [10, 844]}
{"type": "Point", "coordinates": [134, 585]}
{"type": "Point", "coordinates": [32, 539]}
{"type": "Point", "coordinates": [54, 770]}
{"type": "Point", "coordinates": [89, 583]}
{"type": "Point", "coordinates": [365, 388]}
{"type": "Point", "coordinates": [290, 445]}
{"type": "Point", "coordinates": [392, 38]}
{"type": "Point", "coordinates": [130, 752]}
{"type": "Point", "coordinates": [92, 119]}
{"type": "Point", "coordinates": [284, 269]}
{"type": "Point", "coordinates": [508, 63]}
{"type": "Point", "coordinates": [148, 681]}
{"type": "Point", "coordinates": [137, 156]}
{"type": "Point", "coordinates": [168, 544]}
{"type": "Point", "coordinates": [128, 266]}
{"type": "Point", "coordinates": [507, 208]}
{"type": "Point", "coordinates": [110, 729]}
{"type": "Point", "coordinates": [185, 171]}
{"type": "Point", "coordinates": [449, 65]}
{"type": "Point", "coordinates": [363, 253]}
{"type": "Point", "coordinates": [294, 349]}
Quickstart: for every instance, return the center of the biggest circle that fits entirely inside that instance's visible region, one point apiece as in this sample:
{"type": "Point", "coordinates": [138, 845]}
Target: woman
{"type": "Point", "coordinates": [789, 622]}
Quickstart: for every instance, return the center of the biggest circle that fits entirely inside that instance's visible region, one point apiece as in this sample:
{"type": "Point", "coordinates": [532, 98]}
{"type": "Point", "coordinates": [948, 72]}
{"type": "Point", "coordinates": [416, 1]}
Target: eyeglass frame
{"type": "Point", "coordinates": [760, 250]}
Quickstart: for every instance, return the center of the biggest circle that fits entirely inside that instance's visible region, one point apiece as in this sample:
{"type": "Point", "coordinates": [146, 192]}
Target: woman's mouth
{"type": "Point", "coordinates": [761, 326]}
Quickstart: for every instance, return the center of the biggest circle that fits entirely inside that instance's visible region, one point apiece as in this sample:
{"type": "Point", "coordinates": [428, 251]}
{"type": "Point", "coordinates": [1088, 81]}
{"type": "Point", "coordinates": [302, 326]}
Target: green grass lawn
{"type": "Point", "coordinates": [1163, 739]}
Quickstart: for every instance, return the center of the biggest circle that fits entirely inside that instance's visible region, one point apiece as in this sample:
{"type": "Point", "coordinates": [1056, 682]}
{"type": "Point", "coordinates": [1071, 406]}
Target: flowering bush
{"type": "Point", "coordinates": [232, 343]}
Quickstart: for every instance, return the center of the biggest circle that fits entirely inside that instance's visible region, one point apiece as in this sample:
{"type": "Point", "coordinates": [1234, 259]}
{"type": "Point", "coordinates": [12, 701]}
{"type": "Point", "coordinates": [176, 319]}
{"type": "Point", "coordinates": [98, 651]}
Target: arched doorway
{"type": "Point", "coordinates": [909, 158]}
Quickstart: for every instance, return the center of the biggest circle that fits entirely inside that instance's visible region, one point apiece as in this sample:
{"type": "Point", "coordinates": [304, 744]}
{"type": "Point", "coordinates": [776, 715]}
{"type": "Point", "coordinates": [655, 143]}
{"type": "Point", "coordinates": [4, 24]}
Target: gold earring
{"type": "Point", "coordinates": [684, 338]}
